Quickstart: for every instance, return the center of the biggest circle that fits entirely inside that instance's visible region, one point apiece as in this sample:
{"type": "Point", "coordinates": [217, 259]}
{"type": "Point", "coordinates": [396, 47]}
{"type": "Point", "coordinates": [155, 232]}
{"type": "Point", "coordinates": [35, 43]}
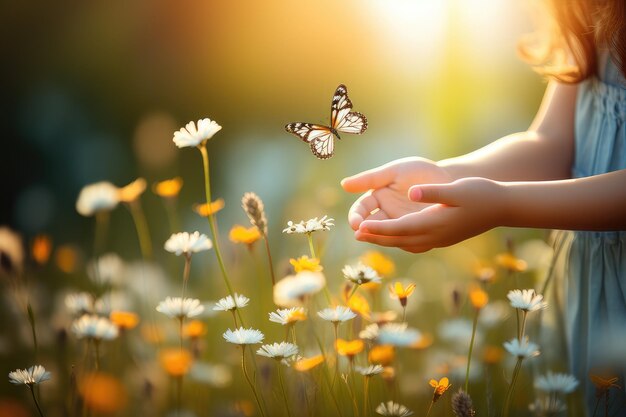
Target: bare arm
{"type": "Point", "coordinates": [544, 152]}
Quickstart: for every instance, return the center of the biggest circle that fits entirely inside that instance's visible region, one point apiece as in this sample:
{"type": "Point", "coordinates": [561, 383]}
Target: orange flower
{"type": "Point", "coordinates": [359, 304]}
{"type": "Point", "coordinates": [176, 362]}
{"type": "Point", "coordinates": [304, 263]}
{"type": "Point", "coordinates": [349, 348]}
{"type": "Point", "coordinates": [509, 262]}
{"type": "Point", "coordinates": [440, 387]}
{"type": "Point", "coordinates": [484, 273]}
{"type": "Point", "coordinates": [492, 355]}
{"type": "Point", "coordinates": [247, 235]}
{"type": "Point", "coordinates": [380, 263]}
{"type": "Point", "coordinates": [66, 258]}
{"type": "Point", "coordinates": [307, 364]}
{"type": "Point", "coordinates": [382, 355]}
{"type": "Point", "coordinates": [205, 210]}
{"type": "Point", "coordinates": [383, 317]}
{"type": "Point", "coordinates": [389, 373]}
{"type": "Point", "coordinates": [124, 319]}
{"type": "Point", "coordinates": [132, 191]}
{"type": "Point", "coordinates": [194, 329]}
{"type": "Point", "coordinates": [41, 249]}
{"type": "Point", "coordinates": [168, 188]}
{"type": "Point", "coordinates": [478, 297]}
{"type": "Point", "coordinates": [103, 393]}
{"type": "Point", "coordinates": [604, 383]}
{"type": "Point", "coordinates": [423, 342]}
{"type": "Point", "coordinates": [401, 293]}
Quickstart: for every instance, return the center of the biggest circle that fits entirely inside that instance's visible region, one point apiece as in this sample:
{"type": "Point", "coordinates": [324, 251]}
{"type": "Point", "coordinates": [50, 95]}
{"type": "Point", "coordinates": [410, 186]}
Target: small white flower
{"type": "Point", "coordinates": [190, 136]}
{"type": "Point", "coordinates": [106, 269]}
{"type": "Point", "coordinates": [360, 274]}
{"type": "Point", "coordinates": [177, 307]}
{"type": "Point", "coordinates": [289, 291]}
{"type": "Point", "coordinates": [392, 409]}
{"type": "Point", "coordinates": [31, 376]}
{"type": "Point", "coordinates": [79, 303]}
{"type": "Point", "coordinates": [309, 226]}
{"type": "Point", "coordinates": [493, 314]}
{"type": "Point", "coordinates": [547, 407]}
{"type": "Point", "coordinates": [187, 243]}
{"type": "Point", "coordinates": [288, 315]}
{"type": "Point", "coordinates": [370, 332]}
{"type": "Point", "coordinates": [398, 334]}
{"type": "Point", "coordinates": [94, 327]}
{"type": "Point", "coordinates": [100, 196]}
{"type": "Point", "coordinates": [522, 350]}
{"type": "Point", "coordinates": [278, 351]}
{"type": "Point", "coordinates": [370, 370]}
{"type": "Point", "coordinates": [526, 300]}
{"type": "Point", "coordinates": [337, 314]}
{"type": "Point", "coordinates": [243, 336]}
{"type": "Point", "coordinates": [228, 304]}
{"type": "Point", "coordinates": [556, 382]}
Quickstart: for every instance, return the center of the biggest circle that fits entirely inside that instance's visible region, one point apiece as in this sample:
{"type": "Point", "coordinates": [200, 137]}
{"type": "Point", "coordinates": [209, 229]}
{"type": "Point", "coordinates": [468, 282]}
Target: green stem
{"type": "Point", "coordinates": [311, 248]}
{"type": "Point", "coordinates": [179, 394]}
{"type": "Point", "coordinates": [245, 373]}
{"type": "Point", "coordinates": [356, 287]}
{"type": "Point", "coordinates": [216, 245]}
{"type": "Point", "coordinates": [31, 320]}
{"type": "Point", "coordinates": [269, 258]}
{"type": "Point", "coordinates": [32, 392]}
{"type": "Point", "coordinates": [186, 271]}
{"type": "Point", "coordinates": [96, 343]}
{"type": "Point", "coordinates": [471, 347]}
{"type": "Point", "coordinates": [509, 393]}
{"type": "Point", "coordinates": [282, 387]}
{"type": "Point", "coordinates": [430, 407]}
{"type": "Point", "coordinates": [141, 226]}
{"type": "Point", "coordinates": [366, 398]}
{"type": "Point", "coordinates": [404, 314]}
{"type": "Point", "coordinates": [523, 329]}
{"type": "Point", "coordinates": [351, 386]}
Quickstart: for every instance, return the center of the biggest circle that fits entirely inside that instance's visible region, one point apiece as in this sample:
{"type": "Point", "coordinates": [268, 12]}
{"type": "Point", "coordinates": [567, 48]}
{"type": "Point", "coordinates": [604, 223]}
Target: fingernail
{"type": "Point", "coordinates": [415, 193]}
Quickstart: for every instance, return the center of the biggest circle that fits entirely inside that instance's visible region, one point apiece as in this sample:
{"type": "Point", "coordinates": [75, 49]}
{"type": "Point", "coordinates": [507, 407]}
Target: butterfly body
{"type": "Point", "coordinates": [342, 119]}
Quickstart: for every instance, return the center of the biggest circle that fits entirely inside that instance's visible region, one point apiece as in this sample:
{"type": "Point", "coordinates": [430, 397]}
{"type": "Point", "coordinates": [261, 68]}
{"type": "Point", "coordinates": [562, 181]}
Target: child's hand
{"type": "Point", "coordinates": [460, 210]}
{"type": "Point", "coordinates": [386, 189]}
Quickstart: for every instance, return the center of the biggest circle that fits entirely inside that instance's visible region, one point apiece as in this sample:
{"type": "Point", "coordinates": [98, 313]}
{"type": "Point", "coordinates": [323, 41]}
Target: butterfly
{"type": "Point", "coordinates": [342, 119]}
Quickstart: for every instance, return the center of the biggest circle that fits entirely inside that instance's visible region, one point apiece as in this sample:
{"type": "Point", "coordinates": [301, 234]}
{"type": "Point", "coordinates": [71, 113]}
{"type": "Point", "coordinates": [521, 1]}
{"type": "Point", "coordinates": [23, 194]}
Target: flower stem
{"type": "Point", "coordinates": [509, 393]}
{"type": "Point", "coordinates": [356, 287]}
{"type": "Point", "coordinates": [32, 392]}
{"type": "Point", "coordinates": [245, 373]}
{"type": "Point", "coordinates": [216, 245]}
{"type": "Point", "coordinates": [269, 258]}
{"type": "Point", "coordinates": [282, 387]}
{"type": "Point", "coordinates": [471, 347]}
{"type": "Point", "coordinates": [97, 348]}
{"type": "Point", "coordinates": [31, 320]}
{"type": "Point", "coordinates": [404, 314]}
{"type": "Point", "coordinates": [141, 226]}
{"type": "Point", "coordinates": [430, 407]}
{"type": "Point", "coordinates": [523, 328]}
{"type": "Point", "coordinates": [311, 247]}
{"type": "Point", "coordinates": [366, 399]}
{"type": "Point", "coordinates": [186, 271]}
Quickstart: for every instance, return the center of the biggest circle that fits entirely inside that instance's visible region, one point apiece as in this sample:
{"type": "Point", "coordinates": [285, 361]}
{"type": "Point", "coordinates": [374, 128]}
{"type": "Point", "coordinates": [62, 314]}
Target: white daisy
{"type": "Point", "coordinates": [187, 243]}
{"type": "Point", "coordinates": [31, 376]}
{"type": "Point", "coordinates": [290, 291]}
{"type": "Point", "coordinates": [392, 409]}
{"type": "Point", "coordinates": [294, 227]}
{"type": "Point", "coordinates": [79, 303]}
{"type": "Point", "coordinates": [370, 332]}
{"type": "Point", "coordinates": [556, 382]}
{"type": "Point", "coordinates": [522, 350]}
{"type": "Point", "coordinates": [94, 327]}
{"type": "Point", "coordinates": [243, 336]}
{"type": "Point", "coordinates": [278, 351]}
{"type": "Point", "coordinates": [360, 274]}
{"type": "Point", "coordinates": [228, 304]}
{"type": "Point", "coordinates": [190, 135]}
{"type": "Point", "coordinates": [309, 226]}
{"type": "Point", "coordinates": [177, 307]}
{"type": "Point", "coordinates": [337, 314]}
{"type": "Point", "coordinates": [288, 315]}
{"type": "Point", "coordinates": [526, 300]}
{"type": "Point", "coordinates": [370, 370]}
{"type": "Point", "coordinates": [398, 334]}
{"type": "Point", "coordinates": [547, 407]}
{"type": "Point", "coordinates": [100, 196]}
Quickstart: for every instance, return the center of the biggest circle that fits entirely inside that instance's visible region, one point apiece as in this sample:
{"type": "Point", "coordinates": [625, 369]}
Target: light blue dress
{"type": "Point", "coordinates": [594, 277]}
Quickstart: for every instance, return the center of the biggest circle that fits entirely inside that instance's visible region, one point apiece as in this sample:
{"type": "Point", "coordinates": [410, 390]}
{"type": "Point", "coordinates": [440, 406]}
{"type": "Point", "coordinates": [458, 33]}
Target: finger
{"type": "Point", "coordinates": [434, 193]}
{"type": "Point", "coordinates": [403, 226]}
{"type": "Point", "coordinates": [361, 209]}
{"type": "Point", "coordinates": [390, 241]}
{"type": "Point", "coordinates": [369, 180]}
{"type": "Point", "coordinates": [416, 249]}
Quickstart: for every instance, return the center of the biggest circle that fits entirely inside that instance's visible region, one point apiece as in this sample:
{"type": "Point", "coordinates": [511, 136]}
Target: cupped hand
{"type": "Point", "coordinates": [385, 189]}
{"type": "Point", "coordinates": [458, 211]}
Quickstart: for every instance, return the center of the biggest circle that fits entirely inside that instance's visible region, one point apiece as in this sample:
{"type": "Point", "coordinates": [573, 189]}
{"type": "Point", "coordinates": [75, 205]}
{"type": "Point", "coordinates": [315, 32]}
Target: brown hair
{"type": "Point", "coordinates": [565, 46]}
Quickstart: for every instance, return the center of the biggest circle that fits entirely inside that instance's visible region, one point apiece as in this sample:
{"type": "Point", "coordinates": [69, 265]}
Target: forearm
{"type": "Point", "coordinates": [591, 203]}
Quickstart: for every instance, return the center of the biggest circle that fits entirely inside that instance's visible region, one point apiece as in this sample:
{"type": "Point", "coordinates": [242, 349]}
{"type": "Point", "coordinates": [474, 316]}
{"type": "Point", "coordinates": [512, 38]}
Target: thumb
{"type": "Point", "coordinates": [434, 193]}
{"type": "Point", "coordinates": [369, 180]}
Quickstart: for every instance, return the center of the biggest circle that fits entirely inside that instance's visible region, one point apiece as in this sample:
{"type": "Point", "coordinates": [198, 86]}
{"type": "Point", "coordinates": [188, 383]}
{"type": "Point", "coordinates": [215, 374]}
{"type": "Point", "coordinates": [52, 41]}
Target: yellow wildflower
{"type": "Point", "coordinates": [103, 393]}
{"type": "Point", "coordinates": [175, 362]}
{"type": "Point", "coordinates": [304, 263]}
{"type": "Point", "coordinates": [478, 297]}
{"type": "Point", "coordinates": [66, 258]}
{"type": "Point", "coordinates": [349, 348]}
{"type": "Point", "coordinates": [440, 387]}
{"type": "Point", "coordinates": [400, 292]}
{"type": "Point", "coordinates": [194, 329]}
{"type": "Point", "coordinates": [168, 188]}
{"type": "Point", "coordinates": [379, 262]}
{"type": "Point", "coordinates": [423, 342]}
{"type": "Point", "coordinates": [382, 355]}
{"type": "Point", "coordinates": [604, 383]}
{"type": "Point", "coordinates": [132, 191]}
{"type": "Point", "coordinates": [246, 235]}
{"type": "Point", "coordinates": [205, 210]}
{"type": "Point", "coordinates": [492, 355]}
{"type": "Point", "coordinates": [125, 320]}
{"type": "Point", "coordinates": [509, 262]}
{"type": "Point", "coordinates": [389, 373]}
{"type": "Point", "coordinates": [41, 249]}
{"type": "Point", "coordinates": [307, 364]}
{"type": "Point", "coordinates": [484, 273]}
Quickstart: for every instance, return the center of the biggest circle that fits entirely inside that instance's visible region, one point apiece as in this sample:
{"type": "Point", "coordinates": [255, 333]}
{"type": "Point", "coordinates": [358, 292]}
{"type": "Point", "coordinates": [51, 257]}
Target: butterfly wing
{"type": "Point", "coordinates": [319, 137]}
{"type": "Point", "coordinates": [342, 118]}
